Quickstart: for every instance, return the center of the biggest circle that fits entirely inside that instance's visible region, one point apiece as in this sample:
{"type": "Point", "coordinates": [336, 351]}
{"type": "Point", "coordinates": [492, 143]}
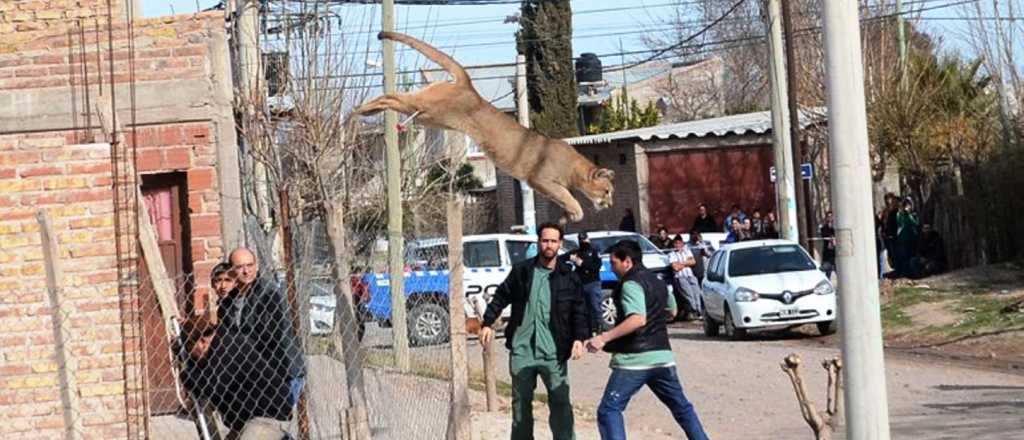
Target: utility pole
{"type": "Point", "coordinates": [780, 129]}
{"type": "Point", "coordinates": [523, 111]}
{"type": "Point", "coordinates": [867, 409]}
{"type": "Point", "coordinates": [399, 327]}
{"type": "Point", "coordinates": [249, 81]}
{"type": "Point", "coordinates": [801, 190]}
{"type": "Point", "coordinates": [901, 38]}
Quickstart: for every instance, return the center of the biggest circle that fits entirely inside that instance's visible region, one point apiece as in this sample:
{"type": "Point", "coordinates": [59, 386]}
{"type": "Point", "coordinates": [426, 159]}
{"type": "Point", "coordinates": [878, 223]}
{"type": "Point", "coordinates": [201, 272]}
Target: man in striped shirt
{"type": "Point", "coordinates": [641, 353]}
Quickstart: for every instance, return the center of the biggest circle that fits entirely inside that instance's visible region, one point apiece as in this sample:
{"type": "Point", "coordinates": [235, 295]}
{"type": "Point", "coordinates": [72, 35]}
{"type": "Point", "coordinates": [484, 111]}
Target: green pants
{"type": "Point", "coordinates": [524, 370]}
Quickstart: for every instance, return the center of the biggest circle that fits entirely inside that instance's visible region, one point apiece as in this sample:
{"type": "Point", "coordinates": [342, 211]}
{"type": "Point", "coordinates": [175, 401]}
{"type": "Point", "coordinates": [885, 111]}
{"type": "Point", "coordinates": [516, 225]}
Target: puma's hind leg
{"type": "Point", "coordinates": [561, 196]}
{"type": "Point", "coordinates": [398, 103]}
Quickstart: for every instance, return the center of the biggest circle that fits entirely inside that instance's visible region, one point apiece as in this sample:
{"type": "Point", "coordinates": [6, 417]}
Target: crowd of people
{"type": "Point", "coordinates": [738, 226]}
{"type": "Point", "coordinates": [241, 356]}
{"type": "Point", "coordinates": [911, 248]}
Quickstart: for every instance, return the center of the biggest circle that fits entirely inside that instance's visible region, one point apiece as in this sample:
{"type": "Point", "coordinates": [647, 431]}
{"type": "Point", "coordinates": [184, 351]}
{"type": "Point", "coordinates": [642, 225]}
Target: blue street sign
{"type": "Point", "coordinates": [806, 172]}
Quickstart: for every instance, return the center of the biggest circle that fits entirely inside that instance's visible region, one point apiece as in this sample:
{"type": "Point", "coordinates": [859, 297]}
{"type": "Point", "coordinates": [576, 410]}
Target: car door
{"type": "Point", "coordinates": [712, 286]}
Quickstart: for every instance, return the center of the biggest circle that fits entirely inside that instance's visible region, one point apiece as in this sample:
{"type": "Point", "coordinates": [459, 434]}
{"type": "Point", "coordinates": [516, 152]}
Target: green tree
{"type": "Point", "coordinates": [618, 115]}
{"type": "Point", "coordinates": [940, 117]}
{"type": "Point", "coordinates": [545, 37]}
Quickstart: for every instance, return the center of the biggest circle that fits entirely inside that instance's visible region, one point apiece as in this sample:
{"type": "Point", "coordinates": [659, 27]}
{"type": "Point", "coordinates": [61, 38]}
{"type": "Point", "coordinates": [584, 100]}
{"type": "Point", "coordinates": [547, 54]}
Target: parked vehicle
{"type": "Point", "coordinates": [323, 304]}
{"type": "Point", "coordinates": [653, 259]}
{"type": "Point", "coordinates": [487, 260]}
{"type": "Point", "coordinates": [766, 284]}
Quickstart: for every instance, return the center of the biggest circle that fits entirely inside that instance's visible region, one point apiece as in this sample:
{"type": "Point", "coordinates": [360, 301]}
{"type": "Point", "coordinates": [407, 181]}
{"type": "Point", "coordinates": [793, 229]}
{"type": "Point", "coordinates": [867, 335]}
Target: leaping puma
{"type": "Point", "coordinates": [550, 166]}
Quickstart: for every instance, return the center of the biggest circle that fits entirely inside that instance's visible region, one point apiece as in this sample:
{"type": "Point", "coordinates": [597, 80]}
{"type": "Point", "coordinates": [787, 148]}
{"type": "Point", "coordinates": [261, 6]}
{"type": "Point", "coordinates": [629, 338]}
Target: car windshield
{"type": "Point", "coordinates": [603, 243]}
{"type": "Point", "coordinates": [520, 250]}
{"type": "Point", "coordinates": [769, 259]}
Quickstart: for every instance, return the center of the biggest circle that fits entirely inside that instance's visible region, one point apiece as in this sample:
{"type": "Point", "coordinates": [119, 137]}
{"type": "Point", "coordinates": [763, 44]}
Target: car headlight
{"type": "Point", "coordinates": [824, 288]}
{"type": "Point", "coordinates": [746, 295]}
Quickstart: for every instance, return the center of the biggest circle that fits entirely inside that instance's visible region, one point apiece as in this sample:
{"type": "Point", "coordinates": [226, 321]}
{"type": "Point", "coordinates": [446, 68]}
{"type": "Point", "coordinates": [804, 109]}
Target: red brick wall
{"type": "Point", "coordinates": [71, 182]}
{"type": "Point", "coordinates": [49, 16]}
{"type": "Point", "coordinates": [165, 49]}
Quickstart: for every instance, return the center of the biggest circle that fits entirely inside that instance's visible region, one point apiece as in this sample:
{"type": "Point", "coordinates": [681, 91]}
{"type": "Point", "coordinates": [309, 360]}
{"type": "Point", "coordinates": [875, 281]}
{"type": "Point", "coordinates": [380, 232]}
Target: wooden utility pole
{"type": "Point", "coordinates": [399, 326]}
{"type": "Point", "coordinates": [67, 366]}
{"type": "Point", "coordinates": [801, 189]}
{"type": "Point", "coordinates": [784, 179]}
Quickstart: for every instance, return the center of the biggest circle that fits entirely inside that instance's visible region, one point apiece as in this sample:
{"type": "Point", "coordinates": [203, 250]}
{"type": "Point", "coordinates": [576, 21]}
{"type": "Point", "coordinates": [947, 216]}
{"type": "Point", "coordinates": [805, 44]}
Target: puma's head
{"type": "Point", "coordinates": [599, 187]}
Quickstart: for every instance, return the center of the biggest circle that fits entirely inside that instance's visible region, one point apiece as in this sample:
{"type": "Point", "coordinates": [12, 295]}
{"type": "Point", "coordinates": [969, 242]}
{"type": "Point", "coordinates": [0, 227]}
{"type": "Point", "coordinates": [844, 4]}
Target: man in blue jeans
{"type": "Point", "coordinates": [641, 354]}
{"type": "Point", "coordinates": [588, 267]}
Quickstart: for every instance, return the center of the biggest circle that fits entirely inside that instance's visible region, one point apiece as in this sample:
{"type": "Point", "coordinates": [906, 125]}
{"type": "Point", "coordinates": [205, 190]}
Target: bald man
{"type": "Point", "coordinates": [258, 309]}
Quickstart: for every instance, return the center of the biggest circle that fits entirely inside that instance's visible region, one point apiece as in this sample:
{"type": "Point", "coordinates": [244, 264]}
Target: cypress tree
{"type": "Point", "coordinates": [545, 37]}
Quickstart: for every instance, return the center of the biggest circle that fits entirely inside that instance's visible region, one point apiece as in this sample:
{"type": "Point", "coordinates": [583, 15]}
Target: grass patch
{"type": "Point", "coordinates": [894, 315]}
{"type": "Point", "coordinates": [980, 314]}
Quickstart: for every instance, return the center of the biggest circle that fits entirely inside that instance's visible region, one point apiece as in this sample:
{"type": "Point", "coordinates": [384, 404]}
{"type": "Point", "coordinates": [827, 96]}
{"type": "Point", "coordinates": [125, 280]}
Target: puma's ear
{"type": "Point", "coordinates": [602, 172]}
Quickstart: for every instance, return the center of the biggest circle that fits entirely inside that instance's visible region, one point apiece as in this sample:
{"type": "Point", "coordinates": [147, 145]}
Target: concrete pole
{"type": "Point", "coordinates": [523, 110]}
{"type": "Point", "coordinates": [867, 409]}
{"type": "Point", "coordinates": [394, 164]}
{"type": "Point", "coordinates": [805, 228]}
{"type": "Point", "coordinates": [780, 127]}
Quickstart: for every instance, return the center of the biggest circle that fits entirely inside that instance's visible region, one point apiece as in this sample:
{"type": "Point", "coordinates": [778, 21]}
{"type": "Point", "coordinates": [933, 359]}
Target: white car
{"type": "Point", "coordinates": [766, 284]}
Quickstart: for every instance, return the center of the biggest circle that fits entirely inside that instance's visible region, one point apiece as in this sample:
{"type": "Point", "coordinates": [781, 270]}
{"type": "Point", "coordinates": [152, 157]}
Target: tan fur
{"type": "Point", "coordinates": [549, 166]}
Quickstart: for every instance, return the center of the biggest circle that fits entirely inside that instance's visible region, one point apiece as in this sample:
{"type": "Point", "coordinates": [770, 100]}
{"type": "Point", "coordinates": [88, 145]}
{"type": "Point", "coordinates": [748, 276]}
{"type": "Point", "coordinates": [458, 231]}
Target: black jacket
{"type": "Point", "coordinates": [265, 320]}
{"type": "Point", "coordinates": [653, 335]}
{"type": "Point", "coordinates": [705, 225]}
{"type": "Point", "coordinates": [589, 270]}
{"type": "Point", "coordinates": [569, 320]}
{"type": "Point", "coordinates": [239, 381]}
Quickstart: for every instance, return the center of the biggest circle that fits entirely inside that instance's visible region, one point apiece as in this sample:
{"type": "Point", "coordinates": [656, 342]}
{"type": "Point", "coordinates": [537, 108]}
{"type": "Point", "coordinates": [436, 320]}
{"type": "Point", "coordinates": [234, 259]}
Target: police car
{"type": "Point", "coordinates": [654, 259]}
{"type": "Point", "coordinates": [487, 261]}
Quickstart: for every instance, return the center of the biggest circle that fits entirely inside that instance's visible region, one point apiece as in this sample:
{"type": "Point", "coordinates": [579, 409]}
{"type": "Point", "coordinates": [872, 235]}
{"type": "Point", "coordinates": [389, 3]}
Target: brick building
{"type": "Point", "coordinates": [55, 88]}
{"type": "Point", "coordinates": [663, 173]}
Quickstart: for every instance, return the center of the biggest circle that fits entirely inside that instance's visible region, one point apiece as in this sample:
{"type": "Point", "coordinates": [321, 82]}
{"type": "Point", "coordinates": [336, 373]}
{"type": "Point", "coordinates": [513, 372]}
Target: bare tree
{"type": "Point", "coordinates": [331, 163]}
{"type": "Point", "coordinates": [995, 30]}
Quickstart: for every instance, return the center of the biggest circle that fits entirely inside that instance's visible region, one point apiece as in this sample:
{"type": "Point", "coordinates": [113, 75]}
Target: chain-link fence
{"type": "Point", "coordinates": [278, 348]}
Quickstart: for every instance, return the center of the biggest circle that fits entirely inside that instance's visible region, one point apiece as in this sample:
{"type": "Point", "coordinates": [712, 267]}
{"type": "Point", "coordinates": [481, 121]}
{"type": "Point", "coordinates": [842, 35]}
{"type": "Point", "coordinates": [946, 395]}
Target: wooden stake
{"type": "Point", "coordinates": [822, 423]}
{"type": "Point", "coordinates": [458, 415]}
{"type": "Point", "coordinates": [67, 366]}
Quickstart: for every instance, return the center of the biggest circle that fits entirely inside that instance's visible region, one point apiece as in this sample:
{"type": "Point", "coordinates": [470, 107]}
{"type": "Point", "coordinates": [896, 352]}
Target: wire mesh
{"type": "Point", "coordinates": [228, 359]}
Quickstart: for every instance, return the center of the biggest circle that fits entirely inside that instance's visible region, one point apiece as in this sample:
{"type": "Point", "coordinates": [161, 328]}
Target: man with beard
{"type": "Point", "coordinates": [548, 326]}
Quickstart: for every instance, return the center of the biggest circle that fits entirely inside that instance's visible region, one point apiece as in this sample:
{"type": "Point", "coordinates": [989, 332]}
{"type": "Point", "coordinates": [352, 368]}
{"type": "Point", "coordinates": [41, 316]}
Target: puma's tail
{"type": "Point", "coordinates": [448, 63]}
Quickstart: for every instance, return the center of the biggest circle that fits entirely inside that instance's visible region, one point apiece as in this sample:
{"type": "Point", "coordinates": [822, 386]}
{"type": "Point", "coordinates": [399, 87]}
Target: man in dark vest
{"type": "Point", "coordinates": [641, 354]}
{"type": "Point", "coordinates": [547, 327]}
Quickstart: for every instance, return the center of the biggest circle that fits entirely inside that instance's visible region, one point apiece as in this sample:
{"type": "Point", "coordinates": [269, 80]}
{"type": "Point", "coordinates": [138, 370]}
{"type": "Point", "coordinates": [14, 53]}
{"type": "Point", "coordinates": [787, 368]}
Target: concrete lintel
{"type": "Point", "coordinates": [747, 140]}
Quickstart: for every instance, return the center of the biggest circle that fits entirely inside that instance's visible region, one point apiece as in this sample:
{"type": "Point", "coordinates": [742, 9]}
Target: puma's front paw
{"type": "Point", "coordinates": [573, 216]}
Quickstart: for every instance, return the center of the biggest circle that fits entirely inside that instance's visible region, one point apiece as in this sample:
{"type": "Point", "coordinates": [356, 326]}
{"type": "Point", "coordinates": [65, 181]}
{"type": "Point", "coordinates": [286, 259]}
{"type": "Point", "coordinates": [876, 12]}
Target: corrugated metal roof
{"type": "Point", "coordinates": [747, 123]}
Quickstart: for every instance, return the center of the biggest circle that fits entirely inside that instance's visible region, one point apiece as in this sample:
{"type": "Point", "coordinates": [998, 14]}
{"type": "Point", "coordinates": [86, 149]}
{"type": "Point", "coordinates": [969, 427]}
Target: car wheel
{"type": "Point", "coordinates": [428, 324]}
{"type": "Point", "coordinates": [710, 326]}
{"type": "Point", "coordinates": [731, 331]}
{"type": "Point", "coordinates": [827, 327]}
{"type": "Point", "coordinates": [608, 312]}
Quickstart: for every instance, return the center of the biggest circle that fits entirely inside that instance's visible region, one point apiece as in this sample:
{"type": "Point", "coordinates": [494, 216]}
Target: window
{"type": "Point", "coordinates": [520, 250]}
{"type": "Point", "coordinates": [713, 266]}
{"type": "Point", "coordinates": [601, 244]}
{"type": "Point", "coordinates": [771, 259]}
{"type": "Point", "coordinates": [622, 159]}
{"type": "Point", "coordinates": [481, 254]}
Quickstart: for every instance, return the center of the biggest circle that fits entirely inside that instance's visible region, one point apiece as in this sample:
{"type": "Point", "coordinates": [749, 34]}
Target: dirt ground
{"type": "Point", "coordinates": [955, 370]}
